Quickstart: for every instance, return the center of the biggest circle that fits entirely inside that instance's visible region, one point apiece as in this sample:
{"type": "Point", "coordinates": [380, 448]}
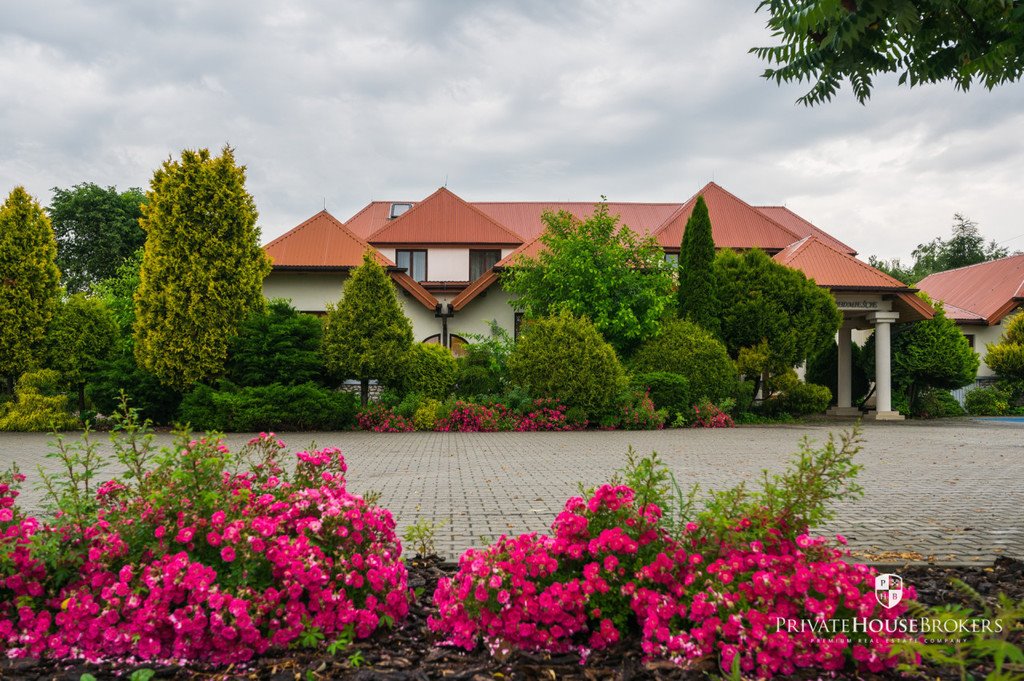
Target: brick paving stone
{"type": "Point", "coordinates": [950, 491]}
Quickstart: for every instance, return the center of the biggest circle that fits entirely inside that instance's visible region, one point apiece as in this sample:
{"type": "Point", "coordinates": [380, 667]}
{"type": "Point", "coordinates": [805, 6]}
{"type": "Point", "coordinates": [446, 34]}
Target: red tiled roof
{"type": "Point", "coordinates": [320, 241]}
{"type": "Point", "coordinates": [801, 227]}
{"type": "Point", "coordinates": [833, 268]}
{"type": "Point", "coordinates": [444, 218]}
{"type": "Point", "coordinates": [990, 290]}
{"type": "Point", "coordinates": [373, 217]}
{"type": "Point", "coordinates": [482, 283]}
{"type": "Point", "coordinates": [734, 223]}
{"type": "Point", "coordinates": [323, 242]}
{"type": "Point", "coordinates": [524, 217]}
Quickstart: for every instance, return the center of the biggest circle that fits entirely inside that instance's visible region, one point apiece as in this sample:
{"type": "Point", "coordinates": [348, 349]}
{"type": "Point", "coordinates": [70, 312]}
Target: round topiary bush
{"type": "Point", "coordinates": [689, 350]}
{"type": "Point", "coordinates": [429, 370]}
{"type": "Point", "coordinates": [987, 401]}
{"type": "Point", "coordinates": [667, 390]}
{"type": "Point", "coordinates": [566, 358]}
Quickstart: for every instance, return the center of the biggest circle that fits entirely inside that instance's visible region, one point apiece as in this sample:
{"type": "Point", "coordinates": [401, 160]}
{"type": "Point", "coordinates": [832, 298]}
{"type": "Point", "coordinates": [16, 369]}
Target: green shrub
{"type": "Point", "coordinates": [426, 414]}
{"type": "Point", "coordinates": [745, 391]}
{"type": "Point", "coordinates": [273, 407]}
{"type": "Point", "coordinates": [278, 345]}
{"type": "Point", "coordinates": [153, 400]}
{"type": "Point", "coordinates": [406, 406]}
{"type": "Point", "coordinates": [688, 350]}
{"type": "Point", "coordinates": [483, 369]}
{"type": "Point", "coordinates": [428, 369]}
{"type": "Point", "coordinates": [667, 390]}
{"type": "Point", "coordinates": [988, 401]}
{"type": "Point", "coordinates": [796, 398]}
{"type": "Point", "coordinates": [566, 358]}
{"type": "Point", "coordinates": [38, 404]}
{"type": "Point", "coordinates": [935, 403]}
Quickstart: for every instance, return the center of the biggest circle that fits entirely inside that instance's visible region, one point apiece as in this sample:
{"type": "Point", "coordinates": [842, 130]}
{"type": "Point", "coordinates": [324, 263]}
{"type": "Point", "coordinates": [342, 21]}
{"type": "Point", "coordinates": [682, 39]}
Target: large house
{"type": "Point", "coordinates": [446, 255]}
{"type": "Point", "coordinates": [981, 299]}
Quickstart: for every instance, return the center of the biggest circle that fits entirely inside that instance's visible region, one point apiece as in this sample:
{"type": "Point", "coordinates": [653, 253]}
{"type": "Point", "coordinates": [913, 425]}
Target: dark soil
{"type": "Point", "coordinates": [409, 652]}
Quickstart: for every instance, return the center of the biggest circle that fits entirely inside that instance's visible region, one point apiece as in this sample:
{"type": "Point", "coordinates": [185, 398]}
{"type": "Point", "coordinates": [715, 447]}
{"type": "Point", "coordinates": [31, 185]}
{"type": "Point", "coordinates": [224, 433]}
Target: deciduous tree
{"type": "Point", "coordinates": [202, 268]}
{"type": "Point", "coordinates": [97, 229]}
{"type": "Point", "coordinates": [599, 269]}
{"type": "Point", "coordinates": [82, 335]}
{"type": "Point", "coordinates": [925, 41]}
{"type": "Point", "coordinates": [366, 335]}
{"type": "Point", "coordinates": [698, 301]}
{"type": "Point", "coordinates": [29, 283]}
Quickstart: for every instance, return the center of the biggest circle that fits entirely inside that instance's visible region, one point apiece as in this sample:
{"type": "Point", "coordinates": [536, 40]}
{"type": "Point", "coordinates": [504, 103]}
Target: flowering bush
{"type": "Point", "coordinates": [708, 415]}
{"type": "Point", "coordinates": [732, 588]}
{"type": "Point", "coordinates": [639, 413]}
{"type": "Point", "coordinates": [382, 419]}
{"type": "Point", "coordinates": [540, 414]}
{"type": "Point", "coordinates": [198, 553]}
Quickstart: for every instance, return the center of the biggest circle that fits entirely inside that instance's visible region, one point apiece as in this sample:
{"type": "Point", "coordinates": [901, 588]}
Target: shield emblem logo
{"type": "Point", "coordinates": [888, 589]}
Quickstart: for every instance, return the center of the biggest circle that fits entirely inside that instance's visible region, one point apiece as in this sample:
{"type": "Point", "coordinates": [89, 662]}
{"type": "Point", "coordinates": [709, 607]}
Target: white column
{"type": "Point", "coordinates": [845, 378]}
{"type": "Point", "coordinates": [883, 364]}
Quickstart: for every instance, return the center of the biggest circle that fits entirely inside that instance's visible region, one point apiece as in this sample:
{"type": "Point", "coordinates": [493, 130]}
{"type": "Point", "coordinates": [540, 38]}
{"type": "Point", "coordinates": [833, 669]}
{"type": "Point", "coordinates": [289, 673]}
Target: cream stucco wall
{"type": "Point", "coordinates": [475, 317]}
{"type": "Point", "coordinates": [308, 291]}
{"type": "Point", "coordinates": [984, 335]}
{"type": "Point", "coordinates": [448, 264]}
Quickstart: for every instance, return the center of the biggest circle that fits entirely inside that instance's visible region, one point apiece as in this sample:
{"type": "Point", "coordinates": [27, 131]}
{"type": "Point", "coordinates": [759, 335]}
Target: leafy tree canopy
{"type": "Point", "coordinates": [97, 228]}
{"type": "Point", "coordinates": [599, 269]}
{"type": "Point", "coordinates": [29, 282]}
{"type": "Point", "coordinates": [366, 335]}
{"type": "Point", "coordinates": [202, 268]}
{"type": "Point", "coordinates": [925, 41]}
{"type": "Point", "coordinates": [773, 307]}
{"type": "Point", "coordinates": [82, 335]}
{"type": "Point", "coordinates": [965, 247]}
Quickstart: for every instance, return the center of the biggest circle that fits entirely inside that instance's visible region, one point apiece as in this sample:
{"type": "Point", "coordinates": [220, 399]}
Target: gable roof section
{"type": "Point", "coordinates": [835, 269]}
{"type": "Point", "coordinates": [322, 241]}
{"type": "Point", "coordinates": [372, 217]}
{"type": "Point", "coordinates": [734, 223]}
{"type": "Point", "coordinates": [525, 217]}
{"type": "Point", "coordinates": [444, 218]}
{"type": "Point", "coordinates": [802, 227]}
{"type": "Point", "coordinates": [990, 290]}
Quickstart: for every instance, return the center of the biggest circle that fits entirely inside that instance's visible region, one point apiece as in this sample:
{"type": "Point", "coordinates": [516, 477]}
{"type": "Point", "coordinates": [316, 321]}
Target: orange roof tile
{"type": "Point", "coordinates": [482, 283]}
{"type": "Point", "coordinates": [413, 288]}
{"type": "Point", "coordinates": [990, 290]}
{"type": "Point", "coordinates": [802, 227]}
{"type": "Point", "coordinates": [372, 217]}
{"type": "Point", "coordinates": [320, 241]}
{"type": "Point", "coordinates": [734, 223]}
{"type": "Point", "coordinates": [524, 217]}
{"type": "Point", "coordinates": [444, 218]}
{"type": "Point", "coordinates": [835, 269]}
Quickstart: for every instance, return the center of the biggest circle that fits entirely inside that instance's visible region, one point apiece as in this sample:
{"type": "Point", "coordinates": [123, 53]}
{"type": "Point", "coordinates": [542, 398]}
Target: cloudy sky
{"type": "Point", "coordinates": [345, 102]}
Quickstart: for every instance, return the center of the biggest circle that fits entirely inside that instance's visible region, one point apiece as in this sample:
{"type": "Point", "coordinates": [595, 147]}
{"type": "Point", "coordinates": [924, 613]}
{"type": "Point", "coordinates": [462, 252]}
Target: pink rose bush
{"type": "Point", "coordinates": [380, 419]}
{"type": "Point", "coordinates": [207, 556]}
{"type": "Point", "coordinates": [542, 415]}
{"type": "Point", "coordinates": [757, 594]}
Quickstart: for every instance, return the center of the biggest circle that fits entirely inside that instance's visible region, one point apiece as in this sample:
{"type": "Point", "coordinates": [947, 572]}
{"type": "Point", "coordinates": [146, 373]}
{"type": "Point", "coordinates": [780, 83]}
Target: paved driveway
{"type": "Point", "coordinates": [951, 491]}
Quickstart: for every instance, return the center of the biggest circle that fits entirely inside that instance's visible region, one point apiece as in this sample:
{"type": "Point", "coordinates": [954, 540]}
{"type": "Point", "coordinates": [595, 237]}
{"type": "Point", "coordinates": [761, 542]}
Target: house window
{"type": "Point", "coordinates": [399, 208]}
{"type": "Point", "coordinates": [414, 262]}
{"type": "Point", "coordinates": [517, 321]}
{"type": "Point", "coordinates": [970, 339]}
{"type": "Point", "coordinates": [481, 261]}
{"type": "Point", "coordinates": [457, 344]}
{"type": "Point", "coordinates": [672, 258]}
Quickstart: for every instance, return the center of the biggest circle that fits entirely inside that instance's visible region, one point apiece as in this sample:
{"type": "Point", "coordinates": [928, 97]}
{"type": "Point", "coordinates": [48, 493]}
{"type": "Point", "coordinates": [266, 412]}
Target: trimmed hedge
{"type": "Point", "coordinates": [274, 407]}
{"type": "Point", "coordinates": [988, 401]}
{"type": "Point", "coordinates": [934, 404]}
{"type": "Point", "coordinates": [565, 358]}
{"type": "Point", "coordinates": [667, 390]}
{"type": "Point", "coordinates": [690, 351]}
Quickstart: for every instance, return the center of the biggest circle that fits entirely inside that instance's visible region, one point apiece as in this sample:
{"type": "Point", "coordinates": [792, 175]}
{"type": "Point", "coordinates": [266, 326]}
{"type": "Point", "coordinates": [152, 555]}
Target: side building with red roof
{"type": "Point", "coordinates": [981, 299]}
{"type": "Point", "coordinates": [446, 257]}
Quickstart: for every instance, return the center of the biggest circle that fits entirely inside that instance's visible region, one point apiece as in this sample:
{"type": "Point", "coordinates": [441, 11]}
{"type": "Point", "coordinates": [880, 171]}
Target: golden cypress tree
{"type": "Point", "coordinates": [202, 268]}
{"type": "Point", "coordinates": [29, 282]}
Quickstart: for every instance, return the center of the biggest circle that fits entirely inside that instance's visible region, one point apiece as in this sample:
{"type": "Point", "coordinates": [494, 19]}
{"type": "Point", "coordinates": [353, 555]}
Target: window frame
{"type": "Point", "coordinates": [492, 251]}
{"type": "Point", "coordinates": [412, 262]}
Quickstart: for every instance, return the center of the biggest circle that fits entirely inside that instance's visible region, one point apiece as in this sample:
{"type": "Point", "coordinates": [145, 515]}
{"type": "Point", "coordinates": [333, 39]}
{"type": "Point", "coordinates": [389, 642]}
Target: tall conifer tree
{"type": "Point", "coordinates": [29, 282]}
{"type": "Point", "coordinates": [202, 268]}
{"type": "Point", "coordinates": [698, 300]}
{"type": "Point", "coordinates": [366, 335]}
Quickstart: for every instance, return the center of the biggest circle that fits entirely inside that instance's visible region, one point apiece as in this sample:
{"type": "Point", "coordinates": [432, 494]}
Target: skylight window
{"type": "Point", "coordinates": [399, 208]}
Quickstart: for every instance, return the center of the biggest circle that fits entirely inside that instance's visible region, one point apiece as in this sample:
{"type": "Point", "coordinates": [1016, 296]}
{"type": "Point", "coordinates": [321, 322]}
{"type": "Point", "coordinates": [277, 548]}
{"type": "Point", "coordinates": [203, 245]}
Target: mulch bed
{"type": "Point", "coordinates": [410, 653]}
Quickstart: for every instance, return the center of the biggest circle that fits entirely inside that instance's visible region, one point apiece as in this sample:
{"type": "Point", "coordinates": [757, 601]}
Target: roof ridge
{"type": "Point", "coordinates": [298, 227]}
{"type": "Point", "coordinates": [440, 191]}
{"type": "Point", "coordinates": [977, 264]}
{"type": "Point", "coordinates": [861, 263]}
{"type": "Point", "coordinates": [751, 207]}
{"type": "Point", "coordinates": [591, 203]}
